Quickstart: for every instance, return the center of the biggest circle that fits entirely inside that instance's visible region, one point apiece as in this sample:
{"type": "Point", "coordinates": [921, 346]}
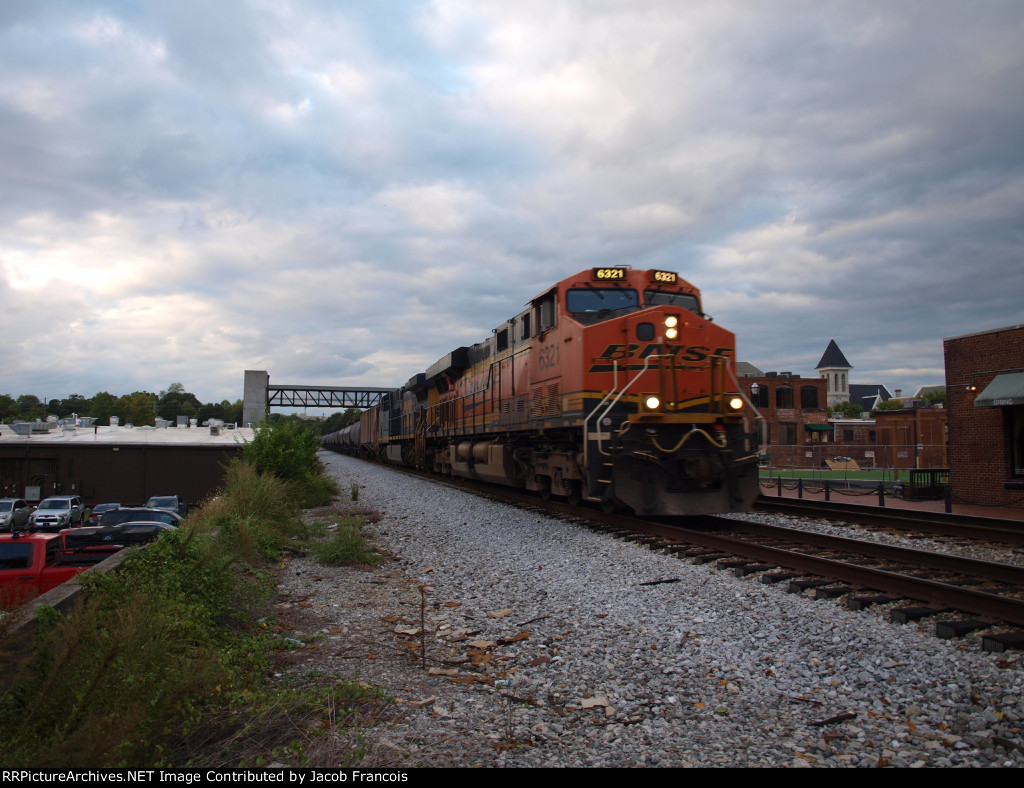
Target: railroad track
{"type": "Point", "coordinates": [989, 529]}
{"type": "Point", "coordinates": [861, 572]}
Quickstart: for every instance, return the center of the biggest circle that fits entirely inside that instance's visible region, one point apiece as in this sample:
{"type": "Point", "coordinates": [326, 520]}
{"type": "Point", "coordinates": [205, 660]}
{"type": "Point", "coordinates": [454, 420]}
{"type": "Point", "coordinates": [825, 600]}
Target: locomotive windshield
{"type": "Point", "coordinates": [665, 297]}
{"type": "Point", "coordinates": [594, 304]}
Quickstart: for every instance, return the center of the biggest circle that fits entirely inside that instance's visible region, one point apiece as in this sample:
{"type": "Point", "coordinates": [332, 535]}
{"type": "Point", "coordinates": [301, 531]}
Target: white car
{"type": "Point", "coordinates": [14, 513]}
{"type": "Point", "coordinates": [57, 512]}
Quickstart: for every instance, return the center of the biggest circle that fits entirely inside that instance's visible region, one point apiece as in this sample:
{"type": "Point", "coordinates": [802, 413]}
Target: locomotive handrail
{"type": "Point", "coordinates": [613, 403]}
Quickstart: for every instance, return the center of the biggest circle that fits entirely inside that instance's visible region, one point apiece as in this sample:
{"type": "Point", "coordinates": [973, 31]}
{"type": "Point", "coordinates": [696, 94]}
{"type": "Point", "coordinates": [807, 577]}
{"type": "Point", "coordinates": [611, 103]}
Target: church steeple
{"type": "Point", "coordinates": [835, 369]}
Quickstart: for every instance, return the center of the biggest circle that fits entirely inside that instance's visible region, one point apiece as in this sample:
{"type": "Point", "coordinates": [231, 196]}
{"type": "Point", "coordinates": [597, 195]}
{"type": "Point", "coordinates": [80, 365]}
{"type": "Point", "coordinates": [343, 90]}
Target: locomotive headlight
{"type": "Point", "coordinates": [736, 403]}
{"type": "Point", "coordinates": [652, 403]}
{"type": "Point", "coordinates": [671, 333]}
{"type": "Point", "coordinates": [671, 321]}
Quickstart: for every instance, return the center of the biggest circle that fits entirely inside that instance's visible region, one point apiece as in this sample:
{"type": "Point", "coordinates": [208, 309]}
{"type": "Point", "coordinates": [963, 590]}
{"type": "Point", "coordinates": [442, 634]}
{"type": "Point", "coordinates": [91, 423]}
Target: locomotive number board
{"type": "Point", "coordinates": [665, 277]}
{"type": "Point", "coordinates": [610, 274]}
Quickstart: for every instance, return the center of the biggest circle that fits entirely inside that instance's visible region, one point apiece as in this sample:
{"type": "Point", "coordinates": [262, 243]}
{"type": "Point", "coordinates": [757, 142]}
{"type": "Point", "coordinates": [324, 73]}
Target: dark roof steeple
{"type": "Point", "coordinates": [833, 358]}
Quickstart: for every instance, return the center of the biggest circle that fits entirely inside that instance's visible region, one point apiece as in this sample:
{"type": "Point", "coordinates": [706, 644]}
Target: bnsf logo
{"type": "Point", "coordinates": [692, 354]}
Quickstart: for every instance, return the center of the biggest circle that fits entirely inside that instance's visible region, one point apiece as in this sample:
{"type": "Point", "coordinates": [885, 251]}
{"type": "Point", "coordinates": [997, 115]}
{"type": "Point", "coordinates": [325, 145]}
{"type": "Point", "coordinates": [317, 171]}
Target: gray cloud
{"type": "Point", "coordinates": [342, 194]}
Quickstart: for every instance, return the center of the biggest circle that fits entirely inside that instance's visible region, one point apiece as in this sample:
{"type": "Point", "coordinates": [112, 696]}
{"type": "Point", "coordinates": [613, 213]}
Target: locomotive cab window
{"type": "Point", "coordinates": [502, 339]}
{"type": "Point", "coordinates": [668, 298]}
{"type": "Point", "coordinates": [591, 305]}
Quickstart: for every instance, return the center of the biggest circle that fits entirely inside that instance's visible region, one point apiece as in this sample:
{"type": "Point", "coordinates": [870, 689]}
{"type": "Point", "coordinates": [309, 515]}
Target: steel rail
{"type": "Point", "coordinates": [946, 562]}
{"type": "Point", "coordinates": [988, 528]}
{"type": "Point", "coordinates": [928, 591]}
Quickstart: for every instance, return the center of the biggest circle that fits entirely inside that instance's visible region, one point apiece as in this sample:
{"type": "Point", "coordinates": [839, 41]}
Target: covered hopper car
{"type": "Point", "coordinates": [612, 386]}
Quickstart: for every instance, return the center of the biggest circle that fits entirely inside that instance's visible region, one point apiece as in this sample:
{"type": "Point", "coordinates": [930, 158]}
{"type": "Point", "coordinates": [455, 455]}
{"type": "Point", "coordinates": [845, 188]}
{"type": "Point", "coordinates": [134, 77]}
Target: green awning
{"type": "Point", "coordinates": [1002, 391]}
{"type": "Point", "coordinates": [818, 427]}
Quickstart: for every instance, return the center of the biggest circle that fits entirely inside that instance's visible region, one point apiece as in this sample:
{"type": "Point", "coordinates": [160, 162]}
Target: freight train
{"type": "Point", "coordinates": [611, 386]}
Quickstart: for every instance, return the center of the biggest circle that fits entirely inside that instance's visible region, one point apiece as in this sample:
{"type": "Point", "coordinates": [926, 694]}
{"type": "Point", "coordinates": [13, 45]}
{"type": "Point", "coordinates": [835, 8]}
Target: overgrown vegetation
{"type": "Point", "coordinates": [288, 449]}
{"type": "Point", "coordinates": [342, 543]}
{"type": "Point", "coordinates": [146, 650]}
{"type": "Point", "coordinates": [164, 662]}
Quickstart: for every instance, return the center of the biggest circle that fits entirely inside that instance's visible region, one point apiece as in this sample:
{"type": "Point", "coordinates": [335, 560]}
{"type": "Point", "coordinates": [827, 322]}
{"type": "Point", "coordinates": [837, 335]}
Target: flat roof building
{"type": "Point", "coordinates": [115, 464]}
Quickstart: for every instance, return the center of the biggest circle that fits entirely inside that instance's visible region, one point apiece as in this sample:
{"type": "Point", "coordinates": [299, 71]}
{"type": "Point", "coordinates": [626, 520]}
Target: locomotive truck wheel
{"type": "Point", "coordinates": [608, 506]}
{"type": "Point", "coordinates": [545, 487]}
{"type": "Point", "coordinates": [575, 494]}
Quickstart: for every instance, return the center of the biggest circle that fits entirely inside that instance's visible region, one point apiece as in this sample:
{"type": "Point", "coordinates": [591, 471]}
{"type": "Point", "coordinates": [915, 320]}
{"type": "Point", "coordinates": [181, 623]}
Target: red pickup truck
{"type": "Point", "coordinates": [32, 564]}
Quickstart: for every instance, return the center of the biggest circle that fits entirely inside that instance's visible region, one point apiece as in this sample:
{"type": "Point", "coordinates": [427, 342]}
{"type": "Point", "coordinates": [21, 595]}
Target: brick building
{"type": "Point", "coordinates": [794, 414]}
{"type": "Point", "coordinates": [914, 437]}
{"type": "Point", "coordinates": [985, 396]}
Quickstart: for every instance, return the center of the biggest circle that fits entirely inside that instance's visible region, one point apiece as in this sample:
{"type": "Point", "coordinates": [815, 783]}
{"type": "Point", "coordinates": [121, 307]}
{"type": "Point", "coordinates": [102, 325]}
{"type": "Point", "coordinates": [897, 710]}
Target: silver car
{"type": "Point", "coordinates": [57, 512]}
{"type": "Point", "coordinates": [14, 513]}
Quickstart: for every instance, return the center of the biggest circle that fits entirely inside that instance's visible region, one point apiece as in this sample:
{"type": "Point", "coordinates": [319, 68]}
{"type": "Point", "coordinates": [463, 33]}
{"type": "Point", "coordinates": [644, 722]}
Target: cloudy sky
{"type": "Point", "coordinates": [340, 192]}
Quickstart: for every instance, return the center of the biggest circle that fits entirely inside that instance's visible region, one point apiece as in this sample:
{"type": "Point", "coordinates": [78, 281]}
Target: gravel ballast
{"type": "Point", "coordinates": [619, 656]}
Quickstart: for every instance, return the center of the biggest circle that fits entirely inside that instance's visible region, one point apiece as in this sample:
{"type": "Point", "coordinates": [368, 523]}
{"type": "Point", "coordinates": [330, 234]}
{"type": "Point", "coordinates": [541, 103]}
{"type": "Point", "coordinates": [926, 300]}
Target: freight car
{"type": "Point", "coordinates": [612, 386]}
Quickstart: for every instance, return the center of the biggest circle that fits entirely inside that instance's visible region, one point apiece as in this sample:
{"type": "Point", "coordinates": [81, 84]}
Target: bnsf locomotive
{"type": "Point", "coordinates": [612, 386]}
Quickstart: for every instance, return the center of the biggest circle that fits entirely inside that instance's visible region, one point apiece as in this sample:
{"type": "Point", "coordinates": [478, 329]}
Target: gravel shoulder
{"type": "Point", "coordinates": [618, 656]}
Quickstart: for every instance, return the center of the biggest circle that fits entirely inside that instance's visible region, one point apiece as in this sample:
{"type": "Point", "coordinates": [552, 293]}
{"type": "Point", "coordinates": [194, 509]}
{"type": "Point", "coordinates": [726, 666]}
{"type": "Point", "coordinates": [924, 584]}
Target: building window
{"type": "Point", "coordinates": [760, 398]}
{"type": "Point", "coordinates": [787, 433]}
{"type": "Point", "coordinates": [848, 435]}
{"type": "Point", "coordinates": [1016, 422]}
{"type": "Point", "coordinates": [809, 397]}
{"type": "Point", "coordinates": [784, 397]}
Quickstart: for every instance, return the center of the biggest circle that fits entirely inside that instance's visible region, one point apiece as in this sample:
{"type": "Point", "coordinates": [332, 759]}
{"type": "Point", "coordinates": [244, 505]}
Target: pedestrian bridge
{"type": "Point", "coordinates": [260, 396]}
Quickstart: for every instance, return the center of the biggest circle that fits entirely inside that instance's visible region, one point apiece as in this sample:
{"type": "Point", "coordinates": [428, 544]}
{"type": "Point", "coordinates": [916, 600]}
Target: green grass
{"type": "Point", "coordinates": [342, 544]}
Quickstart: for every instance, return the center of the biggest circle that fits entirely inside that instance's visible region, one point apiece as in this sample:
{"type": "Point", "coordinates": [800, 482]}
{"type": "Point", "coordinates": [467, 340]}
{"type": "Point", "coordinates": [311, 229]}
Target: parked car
{"type": "Point", "coordinates": [99, 510]}
{"type": "Point", "coordinates": [14, 513]}
{"type": "Point", "coordinates": [136, 514]}
{"type": "Point", "coordinates": [173, 503]}
{"type": "Point", "coordinates": [57, 512]}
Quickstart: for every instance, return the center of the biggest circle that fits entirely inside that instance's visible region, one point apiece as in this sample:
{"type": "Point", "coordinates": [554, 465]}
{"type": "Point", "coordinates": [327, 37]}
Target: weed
{"type": "Point", "coordinates": [345, 545]}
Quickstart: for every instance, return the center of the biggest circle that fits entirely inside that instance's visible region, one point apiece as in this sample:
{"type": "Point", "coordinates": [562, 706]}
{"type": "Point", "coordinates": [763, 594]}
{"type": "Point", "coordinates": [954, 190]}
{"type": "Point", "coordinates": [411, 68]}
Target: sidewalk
{"type": "Point", "coordinates": [813, 491]}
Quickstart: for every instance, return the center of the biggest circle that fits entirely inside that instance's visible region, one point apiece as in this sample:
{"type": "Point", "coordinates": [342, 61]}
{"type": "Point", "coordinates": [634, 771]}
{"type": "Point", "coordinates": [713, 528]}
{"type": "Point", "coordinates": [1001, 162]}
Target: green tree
{"type": "Point", "coordinates": [177, 402]}
{"type": "Point", "coordinates": [284, 448]}
{"type": "Point", "coordinates": [31, 407]}
{"type": "Point", "coordinates": [136, 408]}
{"type": "Point", "coordinates": [76, 403]}
{"type": "Point", "coordinates": [849, 410]}
{"type": "Point", "coordinates": [8, 407]}
{"type": "Point", "coordinates": [210, 410]}
{"type": "Point", "coordinates": [103, 407]}
{"type": "Point", "coordinates": [233, 411]}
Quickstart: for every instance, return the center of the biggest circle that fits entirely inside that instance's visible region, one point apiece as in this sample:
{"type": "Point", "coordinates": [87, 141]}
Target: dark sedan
{"type": "Point", "coordinates": [140, 515]}
{"type": "Point", "coordinates": [99, 510]}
